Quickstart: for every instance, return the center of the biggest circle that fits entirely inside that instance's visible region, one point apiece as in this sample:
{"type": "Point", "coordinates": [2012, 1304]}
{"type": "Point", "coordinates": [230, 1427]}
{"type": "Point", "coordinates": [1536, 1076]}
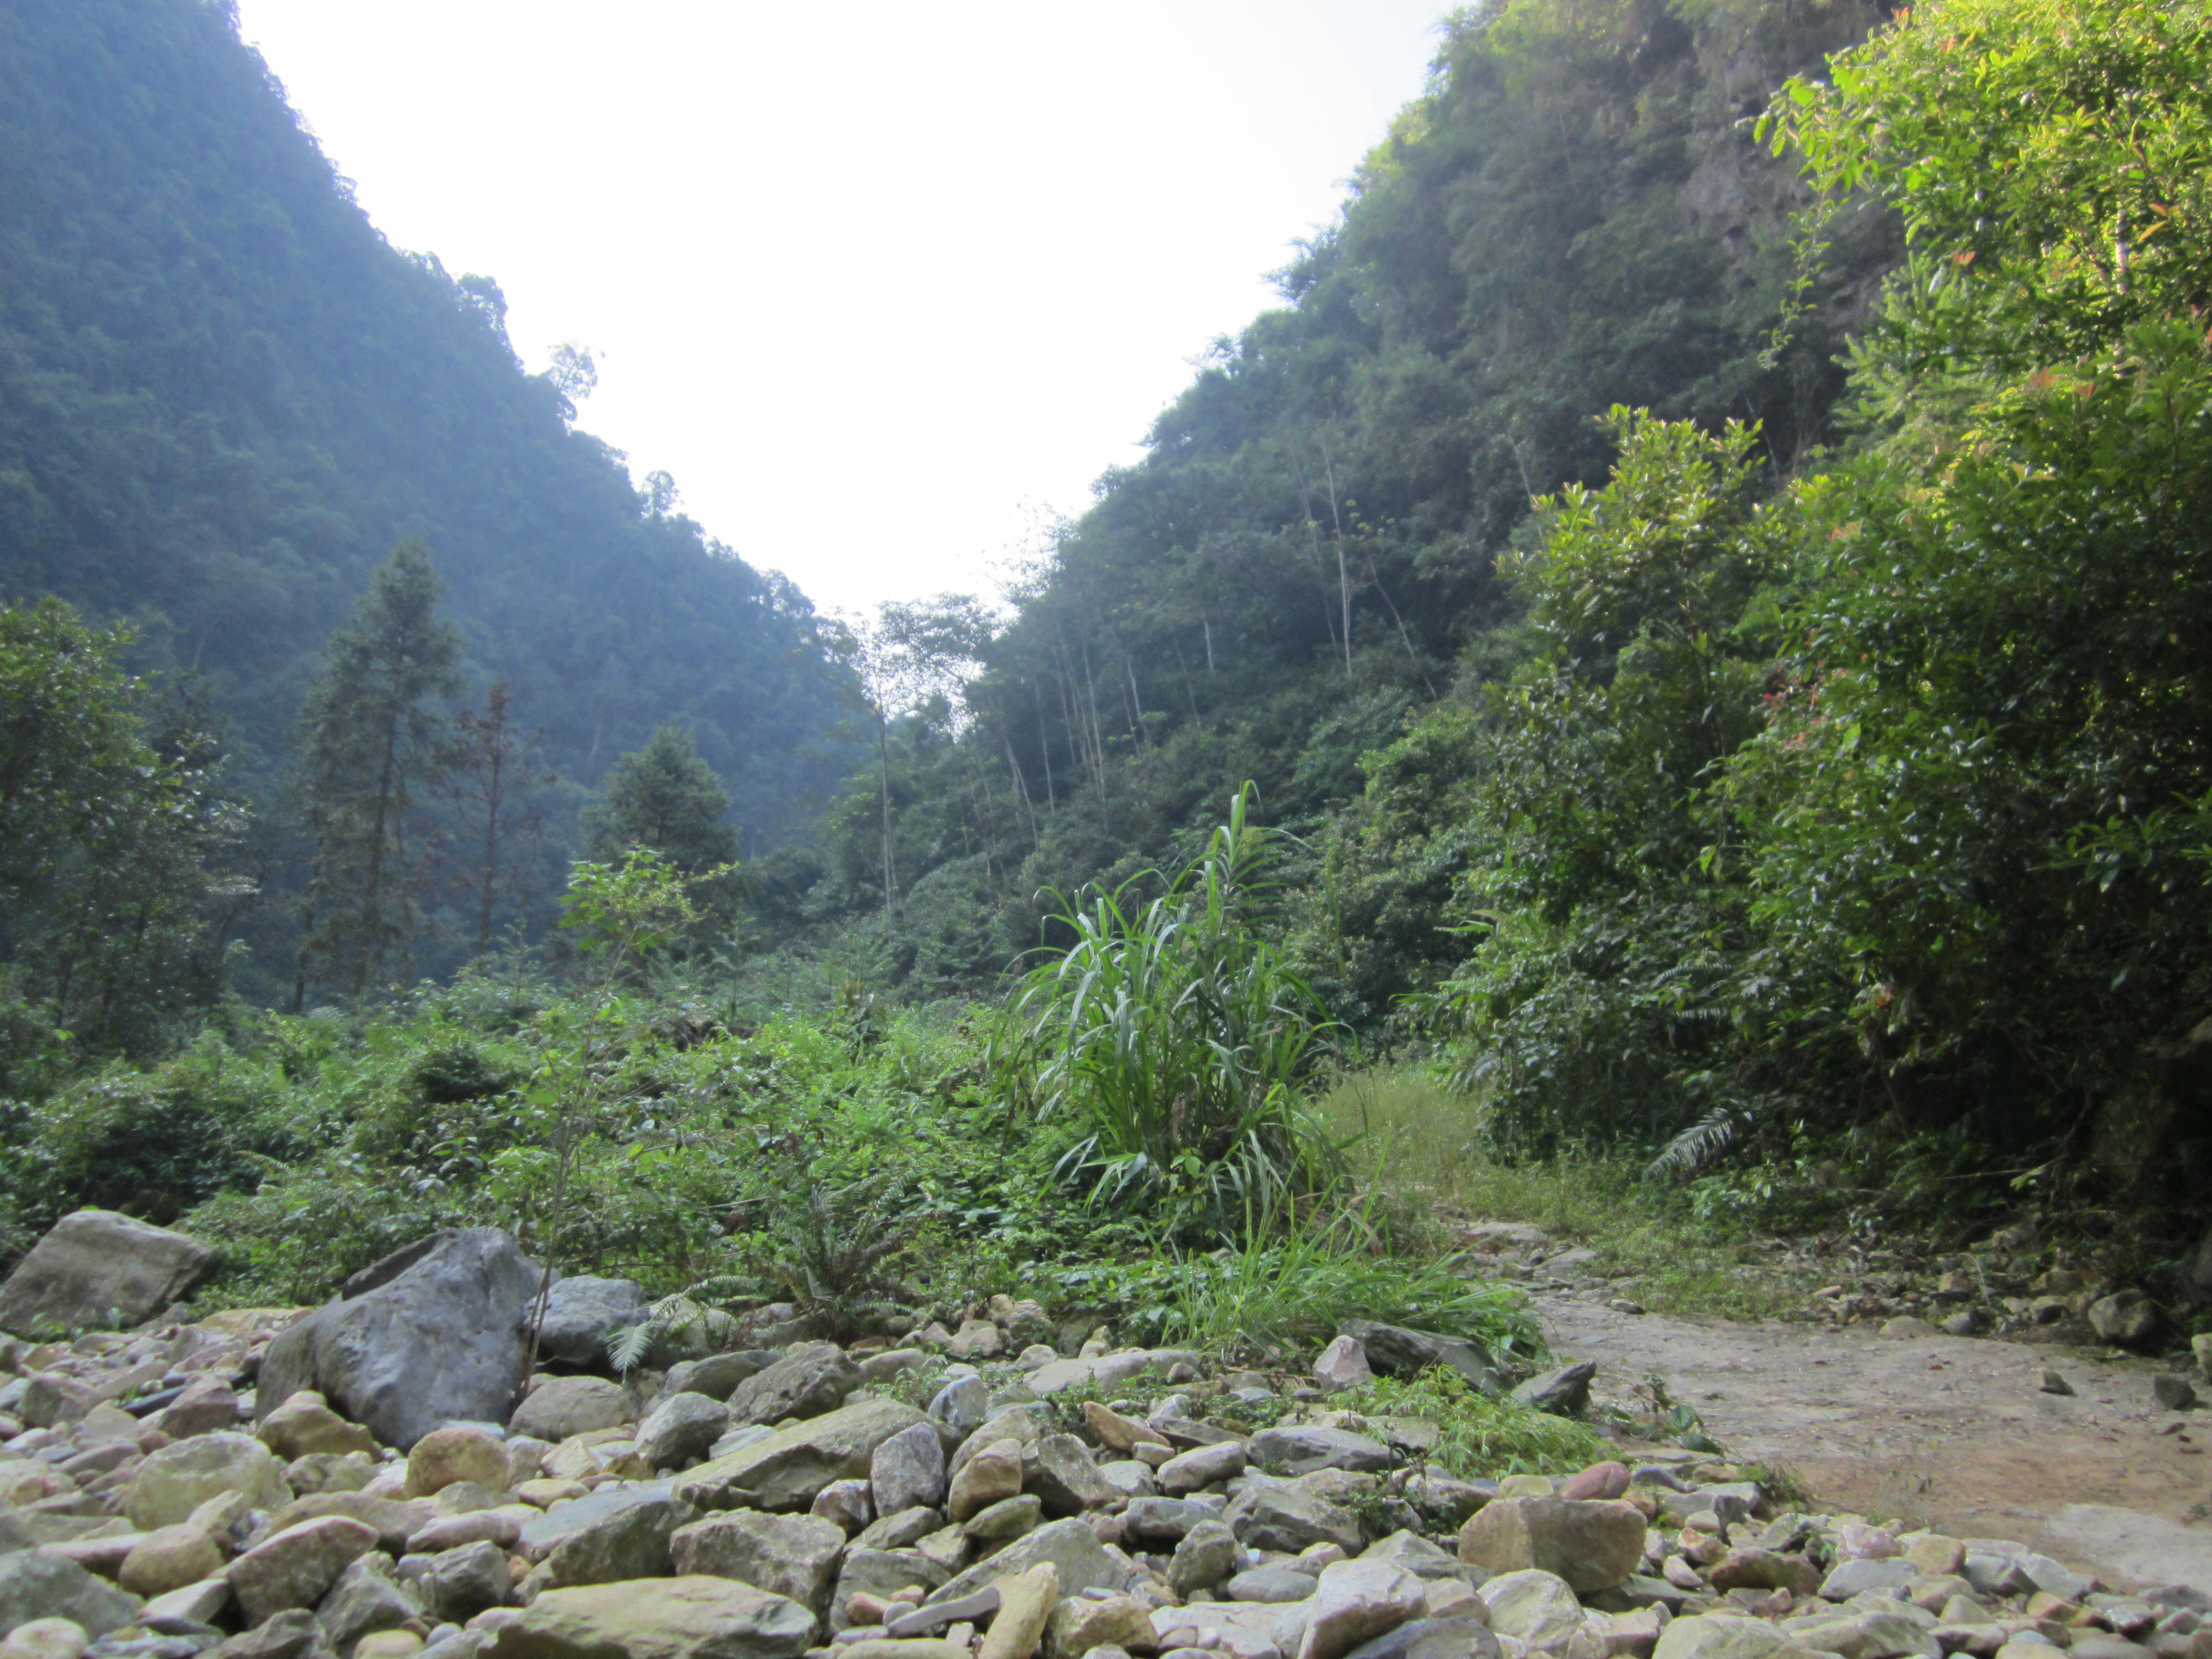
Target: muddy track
{"type": "Point", "coordinates": [1953, 1432]}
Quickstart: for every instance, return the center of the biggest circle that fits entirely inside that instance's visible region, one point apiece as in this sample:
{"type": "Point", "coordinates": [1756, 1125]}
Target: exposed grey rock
{"type": "Point", "coordinates": [290, 1635]}
{"type": "Point", "coordinates": [1461, 1638]}
{"type": "Point", "coordinates": [787, 1469]}
{"type": "Point", "coordinates": [296, 1567]}
{"type": "Point", "coordinates": [1284, 1518]}
{"type": "Point", "coordinates": [35, 1586]}
{"type": "Point", "coordinates": [793, 1555]}
{"type": "Point", "coordinates": [1208, 1553]}
{"type": "Point", "coordinates": [805, 1383]}
{"type": "Point", "coordinates": [630, 1542]}
{"type": "Point", "coordinates": [440, 1342]}
{"type": "Point", "coordinates": [717, 1377]}
{"type": "Point", "coordinates": [581, 1313]}
{"type": "Point", "coordinates": [1163, 1520]}
{"type": "Point", "coordinates": [881, 1573]}
{"type": "Point", "coordinates": [541, 1534]}
{"type": "Point", "coordinates": [907, 1471]}
{"type": "Point", "coordinates": [459, 1583]}
{"type": "Point", "coordinates": [901, 1530]}
{"type": "Point", "coordinates": [960, 1405]}
{"type": "Point", "coordinates": [1202, 1466]}
{"type": "Point", "coordinates": [1855, 1577]}
{"type": "Point", "coordinates": [2127, 1318]}
{"type": "Point", "coordinates": [367, 1596]}
{"type": "Point", "coordinates": [1303, 1448]}
{"type": "Point", "coordinates": [95, 1267]}
{"type": "Point", "coordinates": [1394, 1350]}
{"type": "Point", "coordinates": [176, 1479]}
{"type": "Point", "coordinates": [693, 1618]}
{"type": "Point", "coordinates": [561, 1406]}
{"type": "Point", "coordinates": [1414, 1555]}
{"type": "Point", "coordinates": [2169, 1393]}
{"type": "Point", "coordinates": [1059, 1470]}
{"type": "Point", "coordinates": [1342, 1365]}
{"type": "Point", "coordinates": [1563, 1392]}
{"type": "Point", "coordinates": [1069, 1545]}
{"type": "Point", "coordinates": [1273, 1585]}
{"type": "Point", "coordinates": [681, 1427]}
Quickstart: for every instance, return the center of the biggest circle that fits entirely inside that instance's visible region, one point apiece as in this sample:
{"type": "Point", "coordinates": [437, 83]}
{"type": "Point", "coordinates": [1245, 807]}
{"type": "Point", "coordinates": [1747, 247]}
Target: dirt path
{"type": "Point", "coordinates": [1953, 1431]}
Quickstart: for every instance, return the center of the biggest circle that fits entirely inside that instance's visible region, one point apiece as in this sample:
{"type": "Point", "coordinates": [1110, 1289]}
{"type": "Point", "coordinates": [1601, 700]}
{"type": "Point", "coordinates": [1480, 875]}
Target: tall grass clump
{"type": "Point", "coordinates": [1178, 1039]}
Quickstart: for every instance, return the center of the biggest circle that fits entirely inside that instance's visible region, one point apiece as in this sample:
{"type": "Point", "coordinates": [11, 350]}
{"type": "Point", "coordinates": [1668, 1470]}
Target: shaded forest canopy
{"type": "Point", "coordinates": [224, 397]}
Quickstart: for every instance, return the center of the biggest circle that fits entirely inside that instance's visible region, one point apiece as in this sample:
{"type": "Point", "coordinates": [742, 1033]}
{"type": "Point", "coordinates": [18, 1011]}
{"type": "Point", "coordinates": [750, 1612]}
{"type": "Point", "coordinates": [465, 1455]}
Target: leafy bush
{"type": "Point", "coordinates": [1480, 1435]}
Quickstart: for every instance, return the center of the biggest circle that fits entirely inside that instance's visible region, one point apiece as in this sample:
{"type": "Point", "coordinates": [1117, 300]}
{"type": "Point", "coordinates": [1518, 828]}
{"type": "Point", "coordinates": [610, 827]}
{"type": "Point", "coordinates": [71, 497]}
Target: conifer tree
{"type": "Point", "coordinates": [368, 738]}
{"type": "Point", "coordinates": [491, 775]}
{"type": "Point", "coordinates": [665, 798]}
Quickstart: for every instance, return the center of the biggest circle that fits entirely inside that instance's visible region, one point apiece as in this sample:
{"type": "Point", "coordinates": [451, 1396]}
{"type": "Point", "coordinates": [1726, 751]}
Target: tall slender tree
{"type": "Point", "coordinates": [491, 776]}
{"type": "Point", "coordinates": [665, 798]}
{"type": "Point", "coordinates": [369, 737]}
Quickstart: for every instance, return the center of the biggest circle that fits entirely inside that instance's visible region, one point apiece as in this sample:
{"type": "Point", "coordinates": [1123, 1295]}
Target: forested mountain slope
{"type": "Point", "coordinates": [1577, 214]}
{"type": "Point", "coordinates": [223, 398]}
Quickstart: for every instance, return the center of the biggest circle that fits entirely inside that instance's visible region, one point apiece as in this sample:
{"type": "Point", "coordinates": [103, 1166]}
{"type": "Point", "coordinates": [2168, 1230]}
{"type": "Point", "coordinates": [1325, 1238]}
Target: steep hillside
{"type": "Point", "coordinates": [223, 397]}
{"type": "Point", "coordinates": [1577, 215]}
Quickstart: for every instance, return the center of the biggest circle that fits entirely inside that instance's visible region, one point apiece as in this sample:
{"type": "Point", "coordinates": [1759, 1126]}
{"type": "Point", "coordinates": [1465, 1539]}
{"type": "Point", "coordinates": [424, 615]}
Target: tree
{"type": "Point", "coordinates": [490, 770]}
{"type": "Point", "coordinates": [105, 831]}
{"type": "Point", "coordinates": [368, 738]}
{"type": "Point", "coordinates": [664, 798]}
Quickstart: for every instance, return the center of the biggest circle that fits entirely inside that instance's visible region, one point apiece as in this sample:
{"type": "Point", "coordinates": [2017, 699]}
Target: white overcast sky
{"type": "Point", "coordinates": [882, 285]}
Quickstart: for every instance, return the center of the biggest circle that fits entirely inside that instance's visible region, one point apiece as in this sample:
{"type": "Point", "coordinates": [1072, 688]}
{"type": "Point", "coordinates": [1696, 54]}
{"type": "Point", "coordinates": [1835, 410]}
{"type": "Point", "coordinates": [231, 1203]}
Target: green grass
{"type": "Point", "coordinates": [1418, 1150]}
{"type": "Point", "coordinates": [1482, 1436]}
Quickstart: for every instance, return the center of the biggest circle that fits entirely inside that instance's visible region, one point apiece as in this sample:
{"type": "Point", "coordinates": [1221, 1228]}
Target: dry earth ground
{"type": "Point", "coordinates": [1953, 1432]}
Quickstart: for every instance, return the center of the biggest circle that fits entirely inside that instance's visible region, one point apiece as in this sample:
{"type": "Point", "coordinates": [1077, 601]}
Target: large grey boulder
{"type": "Point", "coordinates": [561, 1406]}
{"type": "Point", "coordinates": [442, 1342]}
{"type": "Point", "coordinates": [1563, 1392]}
{"type": "Point", "coordinates": [630, 1542]}
{"type": "Point", "coordinates": [717, 1376]}
{"type": "Point", "coordinates": [1592, 1544]}
{"type": "Point", "coordinates": [582, 1312]}
{"type": "Point", "coordinates": [35, 1586]}
{"type": "Point", "coordinates": [97, 1267]}
{"type": "Point", "coordinates": [367, 1596]}
{"type": "Point", "coordinates": [680, 1429]}
{"type": "Point", "coordinates": [804, 1383]}
{"type": "Point", "coordinates": [907, 1471]}
{"type": "Point", "coordinates": [1284, 1518]}
{"type": "Point", "coordinates": [1394, 1350]}
{"type": "Point", "coordinates": [543, 1533]}
{"type": "Point", "coordinates": [788, 1469]}
{"type": "Point", "coordinates": [459, 1583]}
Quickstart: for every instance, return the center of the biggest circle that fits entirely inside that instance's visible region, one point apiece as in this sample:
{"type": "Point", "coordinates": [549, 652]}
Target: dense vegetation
{"type": "Point", "coordinates": [224, 399]}
{"type": "Point", "coordinates": [1706, 576]}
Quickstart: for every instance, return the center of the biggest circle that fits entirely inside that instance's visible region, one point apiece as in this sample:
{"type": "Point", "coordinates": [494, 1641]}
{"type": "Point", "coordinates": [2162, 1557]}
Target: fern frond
{"type": "Point", "coordinates": [1696, 1146]}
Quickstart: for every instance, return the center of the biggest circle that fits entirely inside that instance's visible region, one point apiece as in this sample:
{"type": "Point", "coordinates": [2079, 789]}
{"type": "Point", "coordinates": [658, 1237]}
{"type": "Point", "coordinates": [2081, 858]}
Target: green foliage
{"type": "Point", "coordinates": [368, 742]}
{"type": "Point", "coordinates": [108, 824]}
{"type": "Point", "coordinates": [1178, 1037]}
{"type": "Point", "coordinates": [665, 798]}
{"type": "Point", "coordinates": [1480, 1435]}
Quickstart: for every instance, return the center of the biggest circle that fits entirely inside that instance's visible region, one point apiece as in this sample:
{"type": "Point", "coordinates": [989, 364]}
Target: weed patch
{"type": "Point", "coordinates": [1480, 1434]}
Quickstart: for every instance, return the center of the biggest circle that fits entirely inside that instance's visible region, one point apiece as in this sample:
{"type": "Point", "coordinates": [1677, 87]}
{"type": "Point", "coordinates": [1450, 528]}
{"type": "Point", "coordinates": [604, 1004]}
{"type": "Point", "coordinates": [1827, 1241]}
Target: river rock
{"type": "Point", "coordinates": [457, 1584]}
{"type": "Point", "coordinates": [442, 1342]}
{"type": "Point", "coordinates": [207, 1404]}
{"type": "Point", "coordinates": [1079, 1624]}
{"type": "Point", "coordinates": [1456, 1635]}
{"type": "Point", "coordinates": [793, 1555]}
{"type": "Point", "coordinates": [563, 1406]}
{"type": "Point", "coordinates": [176, 1479]}
{"type": "Point", "coordinates": [845, 1505]}
{"type": "Point", "coordinates": [582, 1312]}
{"type": "Point", "coordinates": [35, 1586]}
{"type": "Point", "coordinates": [788, 1470]}
{"type": "Point", "coordinates": [1536, 1608]}
{"type": "Point", "coordinates": [96, 1267]}
{"type": "Point", "coordinates": [1725, 1636]}
{"type": "Point", "coordinates": [296, 1567]}
{"type": "Point", "coordinates": [806, 1382]}
{"type": "Point", "coordinates": [989, 1477]}
{"type": "Point", "coordinates": [2127, 1318]}
{"type": "Point", "coordinates": [881, 1574]}
{"type": "Point", "coordinates": [1200, 1468]}
{"type": "Point", "coordinates": [1563, 1392]}
{"type": "Point", "coordinates": [1080, 1560]}
{"type": "Point", "coordinates": [961, 1404]}
{"type": "Point", "coordinates": [1357, 1600]}
{"type": "Point", "coordinates": [687, 1618]}
{"type": "Point", "coordinates": [1059, 1470]}
{"type": "Point", "coordinates": [1394, 1350]}
{"type": "Point", "coordinates": [1284, 1518]}
{"type": "Point", "coordinates": [457, 1453]}
{"type": "Point", "coordinates": [367, 1596]}
{"type": "Point", "coordinates": [1342, 1365]}
{"type": "Point", "coordinates": [293, 1634]}
{"type": "Point", "coordinates": [717, 1376]}
{"type": "Point", "coordinates": [682, 1427]}
{"type": "Point", "coordinates": [628, 1542]}
{"type": "Point", "coordinates": [169, 1558]}
{"type": "Point", "coordinates": [1207, 1553]}
{"type": "Point", "coordinates": [907, 1471]}
{"type": "Point", "coordinates": [1592, 1545]}
{"type": "Point", "coordinates": [394, 1520]}
{"type": "Point", "coordinates": [1303, 1448]}
{"type": "Point", "coordinates": [304, 1425]}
